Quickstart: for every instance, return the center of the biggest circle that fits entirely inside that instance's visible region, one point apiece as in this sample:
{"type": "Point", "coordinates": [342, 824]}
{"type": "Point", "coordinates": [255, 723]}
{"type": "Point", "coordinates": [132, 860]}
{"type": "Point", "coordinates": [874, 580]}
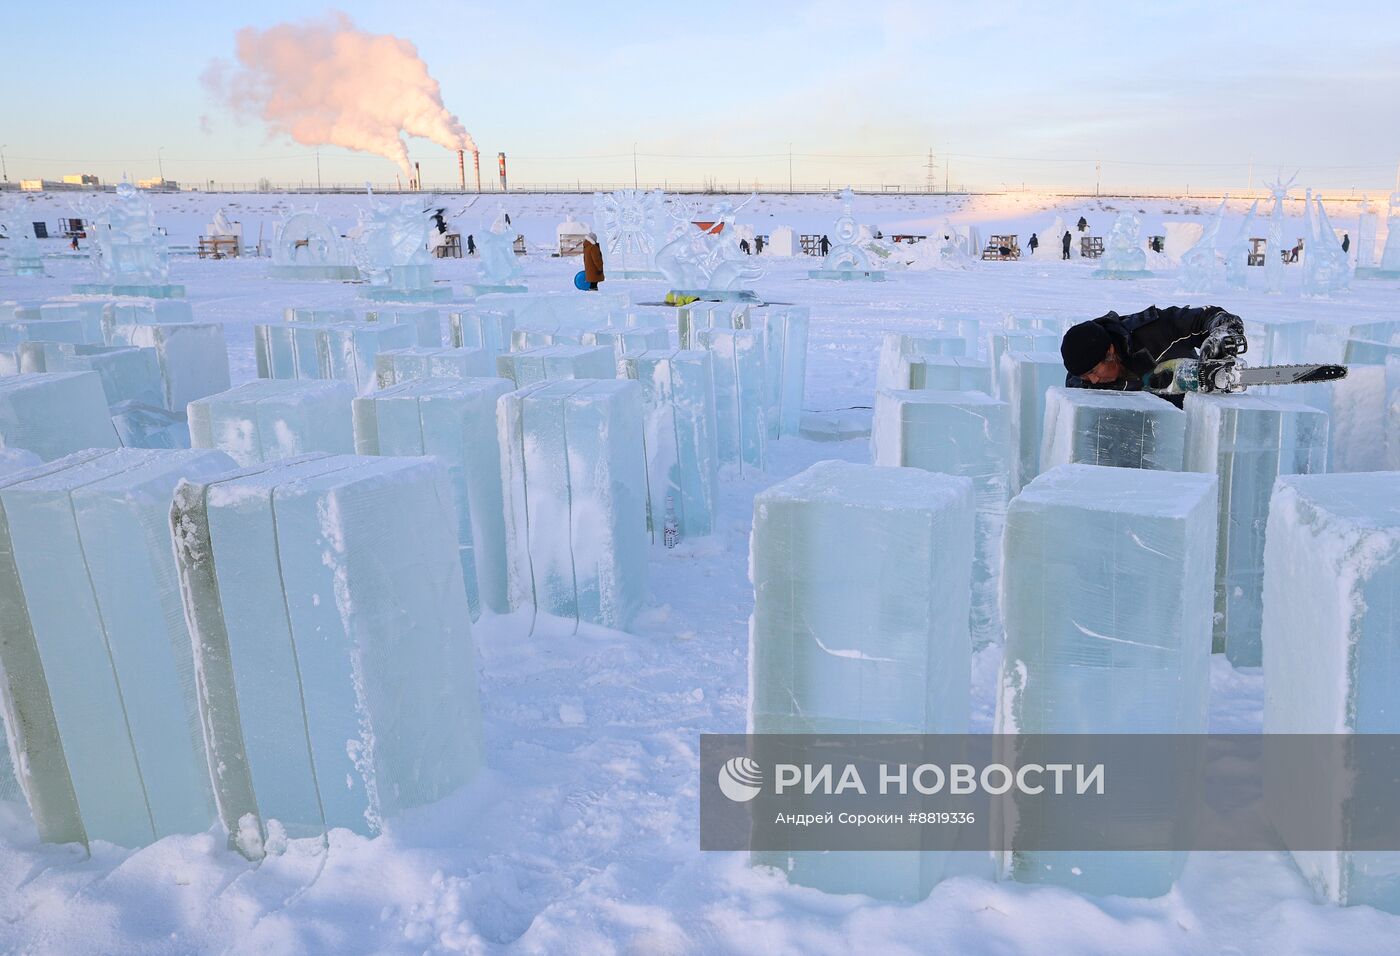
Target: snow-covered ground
{"type": "Point", "coordinates": [582, 837]}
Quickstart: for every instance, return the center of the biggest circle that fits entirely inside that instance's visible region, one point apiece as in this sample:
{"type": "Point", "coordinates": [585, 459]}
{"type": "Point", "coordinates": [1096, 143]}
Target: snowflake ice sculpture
{"type": "Point", "coordinates": [633, 224]}
{"type": "Point", "coordinates": [391, 248]}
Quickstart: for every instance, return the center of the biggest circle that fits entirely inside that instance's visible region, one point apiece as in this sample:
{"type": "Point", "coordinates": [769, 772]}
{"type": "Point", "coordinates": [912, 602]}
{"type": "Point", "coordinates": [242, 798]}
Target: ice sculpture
{"type": "Point", "coordinates": [1109, 635]}
{"type": "Point", "coordinates": [1018, 340]}
{"type": "Point", "coordinates": [500, 269]}
{"type": "Point", "coordinates": [401, 365]}
{"type": "Point", "coordinates": [269, 419]}
{"type": "Point", "coordinates": [785, 342]}
{"type": "Point", "coordinates": [130, 253]}
{"type": "Point", "coordinates": [950, 374]}
{"type": "Point", "coordinates": [741, 389]}
{"type": "Point", "coordinates": [1199, 264]}
{"type": "Point", "coordinates": [682, 447]}
{"type": "Point", "coordinates": [102, 646]}
{"type": "Point", "coordinates": [555, 362]}
{"type": "Point", "coordinates": [454, 421]}
{"type": "Point", "coordinates": [22, 249]}
{"type": "Point", "coordinates": [1325, 267]}
{"type": "Point", "coordinates": [192, 356]}
{"type": "Point", "coordinates": [957, 433]}
{"type": "Point", "coordinates": [633, 224]}
{"type": "Point", "coordinates": [54, 413]}
{"type": "Point", "coordinates": [1048, 243]}
{"type": "Point", "coordinates": [846, 260]}
{"type": "Point", "coordinates": [1331, 575]}
{"type": "Point", "coordinates": [702, 255]}
{"type": "Point", "coordinates": [575, 489]}
{"type": "Point", "coordinates": [1274, 248]}
{"type": "Point", "coordinates": [861, 581]}
{"type": "Point", "coordinates": [306, 247]}
{"type": "Point", "coordinates": [1238, 252]}
{"type": "Point", "coordinates": [333, 650]}
{"type": "Point", "coordinates": [899, 351]}
{"type": "Point", "coordinates": [1121, 429]}
{"type": "Point", "coordinates": [1124, 257]}
{"type": "Point", "coordinates": [128, 374]}
{"type": "Point", "coordinates": [1389, 267]}
{"type": "Point", "coordinates": [1024, 378]}
{"type": "Point", "coordinates": [1367, 226]}
{"type": "Point", "coordinates": [486, 329]}
{"type": "Point", "coordinates": [391, 250]}
{"type": "Point", "coordinates": [1248, 441]}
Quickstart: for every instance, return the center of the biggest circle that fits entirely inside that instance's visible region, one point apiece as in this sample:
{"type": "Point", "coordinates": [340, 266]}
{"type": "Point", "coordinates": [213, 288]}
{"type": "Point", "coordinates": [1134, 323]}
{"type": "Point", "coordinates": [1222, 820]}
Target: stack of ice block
{"type": "Point", "coordinates": [899, 349]}
{"type": "Point", "coordinates": [1106, 594]}
{"type": "Point", "coordinates": [740, 372]}
{"type": "Point", "coordinates": [1019, 340]}
{"type": "Point", "coordinates": [859, 625]}
{"type": "Point", "coordinates": [192, 356]}
{"type": "Point", "coordinates": [403, 365]}
{"type": "Point", "coordinates": [785, 339]}
{"type": "Point", "coordinates": [333, 649]}
{"type": "Point", "coordinates": [54, 413]}
{"type": "Point", "coordinates": [966, 325]}
{"type": "Point", "coordinates": [128, 374]}
{"type": "Point", "coordinates": [89, 313]}
{"type": "Point", "coordinates": [1248, 442]}
{"type": "Point", "coordinates": [957, 433]}
{"type": "Point", "coordinates": [426, 322]}
{"type": "Point", "coordinates": [626, 341]}
{"type": "Point", "coordinates": [344, 350]}
{"type": "Point", "coordinates": [1024, 378]}
{"type": "Point", "coordinates": [697, 317]}
{"type": "Point", "coordinates": [1331, 623]}
{"type": "Point", "coordinates": [481, 329]}
{"type": "Point", "coordinates": [555, 362]}
{"type": "Point", "coordinates": [99, 671]}
{"type": "Point", "coordinates": [682, 451]}
{"type": "Point", "coordinates": [119, 312]}
{"type": "Point", "coordinates": [575, 488]}
{"type": "Point", "coordinates": [1121, 429]}
{"type": "Point", "coordinates": [267, 419]}
{"type": "Point", "coordinates": [950, 374]}
{"type": "Point", "coordinates": [455, 421]}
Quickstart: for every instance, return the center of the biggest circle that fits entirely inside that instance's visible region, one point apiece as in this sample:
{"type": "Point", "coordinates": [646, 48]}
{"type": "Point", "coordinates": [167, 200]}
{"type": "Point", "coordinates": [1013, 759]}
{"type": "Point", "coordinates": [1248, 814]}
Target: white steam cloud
{"type": "Point", "coordinates": [326, 83]}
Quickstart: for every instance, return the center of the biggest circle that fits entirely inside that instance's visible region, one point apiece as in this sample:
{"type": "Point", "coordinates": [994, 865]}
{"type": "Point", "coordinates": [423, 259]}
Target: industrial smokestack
{"type": "Point", "coordinates": [476, 164]}
{"type": "Point", "coordinates": [501, 161]}
{"type": "Point", "coordinates": [462, 168]}
{"type": "Point", "coordinates": [417, 177]}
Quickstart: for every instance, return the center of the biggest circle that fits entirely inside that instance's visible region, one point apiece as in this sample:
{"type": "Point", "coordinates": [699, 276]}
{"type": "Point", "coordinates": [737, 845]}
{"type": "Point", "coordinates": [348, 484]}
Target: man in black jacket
{"type": "Point", "coordinates": [1119, 351]}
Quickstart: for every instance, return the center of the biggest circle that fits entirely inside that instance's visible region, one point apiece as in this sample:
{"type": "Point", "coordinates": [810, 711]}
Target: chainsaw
{"type": "Point", "coordinates": [1219, 370]}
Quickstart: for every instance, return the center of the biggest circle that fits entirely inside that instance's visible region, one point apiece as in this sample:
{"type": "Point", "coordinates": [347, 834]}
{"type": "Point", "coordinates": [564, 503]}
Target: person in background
{"type": "Point", "coordinates": [744, 246]}
{"type": "Point", "coordinates": [592, 261]}
{"type": "Point", "coordinates": [1346, 242]}
{"type": "Point", "coordinates": [1065, 240]}
{"type": "Point", "coordinates": [1083, 224]}
{"type": "Point", "coordinates": [471, 245]}
{"type": "Point", "coordinates": [758, 245]}
{"type": "Point", "coordinates": [73, 243]}
{"type": "Point", "coordinates": [1035, 241]}
{"type": "Point", "coordinates": [826, 246]}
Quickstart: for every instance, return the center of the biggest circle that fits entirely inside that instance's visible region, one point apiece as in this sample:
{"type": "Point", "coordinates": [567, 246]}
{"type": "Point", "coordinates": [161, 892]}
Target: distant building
{"type": "Point", "coordinates": [158, 185]}
{"type": "Point", "coordinates": [81, 179]}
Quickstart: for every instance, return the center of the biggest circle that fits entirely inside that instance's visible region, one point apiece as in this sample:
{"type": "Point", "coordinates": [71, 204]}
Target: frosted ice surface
{"type": "Point", "coordinates": [625, 341]}
{"type": "Point", "coordinates": [481, 329]}
{"type": "Point", "coordinates": [192, 356]}
{"type": "Point", "coordinates": [1275, 340]}
{"type": "Point", "coordinates": [149, 426]}
{"type": "Point", "coordinates": [127, 311]}
{"type": "Point", "coordinates": [17, 459]}
{"type": "Point", "coordinates": [74, 330]}
{"type": "Point", "coordinates": [1356, 414]}
{"type": "Point", "coordinates": [1122, 429]}
{"type": "Point", "coordinates": [91, 543]}
{"type": "Point", "coordinates": [1019, 340]}
{"type": "Point", "coordinates": [740, 370]}
{"type": "Point", "coordinates": [537, 336]}
{"type": "Point", "coordinates": [950, 374]}
{"type": "Point", "coordinates": [333, 647]}
{"type": "Point", "coordinates": [54, 413]}
{"type": "Point", "coordinates": [1248, 441]}
{"type": "Point", "coordinates": [575, 486]}
{"type": "Point", "coordinates": [785, 337]}
{"type": "Point", "coordinates": [957, 433]}
{"type": "Point", "coordinates": [1024, 378]}
{"type": "Point", "coordinates": [1392, 415]}
{"type": "Point", "coordinates": [1106, 592]}
{"type": "Point", "coordinates": [966, 325]}
{"type": "Point", "coordinates": [698, 316]}
{"type": "Point", "coordinates": [455, 421]}
{"type": "Point", "coordinates": [268, 419]}
{"type": "Point", "coordinates": [402, 365]}
{"type": "Point", "coordinates": [128, 374]}
{"type": "Point", "coordinates": [861, 578]}
{"type": "Point", "coordinates": [557, 362]}
{"type": "Point", "coordinates": [1331, 622]}
{"type": "Point", "coordinates": [347, 351]}
{"type": "Point", "coordinates": [899, 349]}
{"type": "Point", "coordinates": [680, 435]}
{"type": "Point", "coordinates": [427, 323]}
{"type": "Point", "coordinates": [87, 313]}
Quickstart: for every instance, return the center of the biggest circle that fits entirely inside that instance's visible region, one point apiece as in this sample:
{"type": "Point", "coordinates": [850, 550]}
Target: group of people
{"type": "Point", "coordinates": [1065, 241]}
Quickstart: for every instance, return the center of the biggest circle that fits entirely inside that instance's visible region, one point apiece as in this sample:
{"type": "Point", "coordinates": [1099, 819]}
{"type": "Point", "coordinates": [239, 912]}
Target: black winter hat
{"type": "Point", "coordinates": [1084, 346]}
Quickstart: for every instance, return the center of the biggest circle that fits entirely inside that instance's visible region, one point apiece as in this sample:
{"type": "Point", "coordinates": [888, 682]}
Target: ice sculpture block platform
{"type": "Point", "coordinates": [899, 349]}
{"type": "Point", "coordinates": [192, 356]}
{"type": "Point", "coordinates": [557, 362]}
{"type": "Point", "coordinates": [1331, 629]}
{"type": "Point", "coordinates": [861, 578]}
{"type": "Point", "coordinates": [455, 421]}
{"type": "Point", "coordinates": [1106, 593]}
{"type": "Point", "coordinates": [128, 374]}
{"type": "Point", "coordinates": [403, 365]}
{"type": "Point", "coordinates": [741, 413]}
{"type": "Point", "coordinates": [54, 413]}
{"type": "Point", "coordinates": [1248, 441]}
{"type": "Point", "coordinates": [957, 433]}
{"type": "Point", "coordinates": [575, 486]}
{"type": "Point", "coordinates": [681, 445]}
{"type": "Point", "coordinates": [333, 649]}
{"type": "Point", "coordinates": [267, 419]}
{"type": "Point", "coordinates": [1024, 378]}
{"type": "Point", "coordinates": [1120, 429]}
{"type": "Point", "coordinates": [99, 655]}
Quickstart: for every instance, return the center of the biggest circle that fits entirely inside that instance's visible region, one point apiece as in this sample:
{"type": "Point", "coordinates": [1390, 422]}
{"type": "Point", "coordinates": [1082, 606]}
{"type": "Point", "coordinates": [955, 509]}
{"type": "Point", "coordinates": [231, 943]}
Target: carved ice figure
{"type": "Point", "coordinates": [632, 222]}
{"type": "Point", "coordinates": [1237, 253]}
{"type": "Point", "coordinates": [130, 251]}
{"type": "Point", "coordinates": [1124, 257]}
{"type": "Point", "coordinates": [496, 248]}
{"type": "Point", "coordinates": [1198, 262]}
{"type": "Point", "coordinates": [1325, 268]}
{"type": "Point", "coordinates": [1390, 256]}
{"type": "Point", "coordinates": [306, 238]}
{"type": "Point", "coordinates": [1366, 222]}
{"type": "Point", "coordinates": [846, 255]}
{"type": "Point", "coordinates": [23, 249]}
{"type": "Point", "coordinates": [706, 259]}
{"type": "Point", "coordinates": [1273, 252]}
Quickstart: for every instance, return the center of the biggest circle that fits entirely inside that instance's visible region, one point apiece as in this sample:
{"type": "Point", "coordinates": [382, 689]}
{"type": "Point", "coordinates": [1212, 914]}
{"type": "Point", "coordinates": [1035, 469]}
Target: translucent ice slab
{"type": "Point", "coordinates": [784, 331]}
{"type": "Point", "coordinates": [625, 341]}
{"type": "Point", "coordinates": [402, 365]}
{"type": "Point", "coordinates": [1121, 429]}
{"type": "Point", "coordinates": [556, 362]}
{"type": "Point", "coordinates": [128, 374]}
{"type": "Point", "coordinates": [950, 374]}
{"type": "Point", "coordinates": [1024, 377]}
{"type": "Point", "coordinates": [268, 419]}
{"type": "Point", "coordinates": [1020, 340]}
{"type": "Point", "coordinates": [54, 413]}
{"type": "Point", "coordinates": [740, 370]}
{"type": "Point", "coordinates": [192, 356]}
{"type": "Point", "coordinates": [481, 329]}
{"type": "Point", "coordinates": [899, 349]}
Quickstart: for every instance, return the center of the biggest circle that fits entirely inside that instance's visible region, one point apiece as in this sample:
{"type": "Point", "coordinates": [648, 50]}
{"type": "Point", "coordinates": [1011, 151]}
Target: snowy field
{"type": "Point", "coordinates": [582, 837]}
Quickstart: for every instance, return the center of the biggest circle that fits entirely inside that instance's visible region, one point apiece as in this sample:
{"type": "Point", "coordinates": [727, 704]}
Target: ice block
{"type": "Point", "coordinates": [556, 362]}
{"type": "Point", "coordinates": [74, 330]}
{"type": "Point", "coordinates": [1106, 592]}
{"type": "Point", "coordinates": [1247, 441]}
{"type": "Point", "coordinates": [538, 336]}
{"type": "Point", "coordinates": [481, 329]}
{"type": "Point", "coordinates": [1019, 340]}
{"type": "Point", "coordinates": [88, 312]}
{"type": "Point", "coordinates": [268, 419]}
{"type": "Point", "coordinates": [626, 341]}
{"type": "Point", "coordinates": [333, 649]}
{"type": "Point", "coordinates": [124, 311]}
{"type": "Point", "coordinates": [402, 365]}
{"type": "Point", "coordinates": [149, 426]}
{"type": "Point", "coordinates": [740, 370]}
{"type": "Point", "coordinates": [957, 433]}
{"type": "Point", "coordinates": [573, 466]}
{"type": "Point", "coordinates": [1121, 429]}
{"type": "Point", "coordinates": [192, 356]}
{"type": "Point", "coordinates": [54, 413]}
{"type": "Point", "coordinates": [899, 349]}
{"type": "Point", "coordinates": [699, 316]}
{"type": "Point", "coordinates": [128, 374]}
{"type": "Point", "coordinates": [347, 351]}
{"type": "Point", "coordinates": [950, 374]}
{"type": "Point", "coordinates": [427, 324]}
{"type": "Point", "coordinates": [1356, 412]}
{"type": "Point", "coordinates": [784, 331]}
{"type": "Point", "coordinates": [1024, 378]}
{"type": "Point", "coordinates": [455, 421]}
{"type": "Point", "coordinates": [682, 451]}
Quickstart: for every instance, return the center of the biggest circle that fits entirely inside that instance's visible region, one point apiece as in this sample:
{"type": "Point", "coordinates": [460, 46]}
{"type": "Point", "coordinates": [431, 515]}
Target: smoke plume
{"type": "Point", "coordinates": [324, 82]}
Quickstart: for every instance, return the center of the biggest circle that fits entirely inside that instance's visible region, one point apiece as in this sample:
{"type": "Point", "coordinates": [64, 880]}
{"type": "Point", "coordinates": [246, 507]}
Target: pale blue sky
{"type": "Point", "coordinates": [1017, 92]}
